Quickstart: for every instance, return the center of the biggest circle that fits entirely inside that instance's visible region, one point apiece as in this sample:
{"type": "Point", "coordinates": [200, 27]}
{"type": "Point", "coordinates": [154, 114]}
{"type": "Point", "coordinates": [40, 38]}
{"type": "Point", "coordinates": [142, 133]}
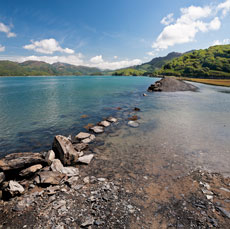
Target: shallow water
{"type": "Point", "coordinates": [191, 126]}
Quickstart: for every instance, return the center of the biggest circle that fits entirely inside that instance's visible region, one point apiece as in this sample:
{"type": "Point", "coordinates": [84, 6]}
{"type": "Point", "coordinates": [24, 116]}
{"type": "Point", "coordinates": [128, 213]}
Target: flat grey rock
{"type": "Point", "coordinates": [86, 159]}
{"type": "Point", "coordinates": [82, 135]}
{"type": "Point", "coordinates": [104, 123]}
{"type": "Point", "coordinates": [97, 129]}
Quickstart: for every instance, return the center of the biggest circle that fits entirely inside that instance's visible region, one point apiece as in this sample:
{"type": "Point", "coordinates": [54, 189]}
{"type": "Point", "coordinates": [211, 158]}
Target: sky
{"type": "Point", "coordinates": [109, 34]}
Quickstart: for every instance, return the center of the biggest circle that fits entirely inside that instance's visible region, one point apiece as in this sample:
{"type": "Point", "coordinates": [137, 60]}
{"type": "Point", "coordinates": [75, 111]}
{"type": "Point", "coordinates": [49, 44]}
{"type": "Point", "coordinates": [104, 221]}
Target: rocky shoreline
{"type": "Point", "coordinates": [74, 185]}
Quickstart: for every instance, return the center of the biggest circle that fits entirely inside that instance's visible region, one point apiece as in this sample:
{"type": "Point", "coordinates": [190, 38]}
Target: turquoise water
{"type": "Point", "coordinates": [34, 109]}
{"type": "Point", "coordinates": [194, 126]}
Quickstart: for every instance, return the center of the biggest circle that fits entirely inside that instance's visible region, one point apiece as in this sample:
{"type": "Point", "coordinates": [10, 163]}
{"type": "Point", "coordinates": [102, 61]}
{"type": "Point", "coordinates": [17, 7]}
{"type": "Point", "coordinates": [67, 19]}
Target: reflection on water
{"type": "Point", "coordinates": [191, 126]}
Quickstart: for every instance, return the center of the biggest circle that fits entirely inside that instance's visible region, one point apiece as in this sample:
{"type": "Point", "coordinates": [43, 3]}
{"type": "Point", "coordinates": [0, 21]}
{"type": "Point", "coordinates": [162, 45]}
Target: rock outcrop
{"type": "Point", "coordinates": [20, 161]}
{"type": "Point", "coordinates": [171, 84]}
{"type": "Point", "coordinates": [64, 150]}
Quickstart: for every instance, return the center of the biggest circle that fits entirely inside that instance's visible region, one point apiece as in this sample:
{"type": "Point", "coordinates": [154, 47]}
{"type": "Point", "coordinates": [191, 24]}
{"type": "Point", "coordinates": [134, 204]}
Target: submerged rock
{"type": "Point", "coordinates": [133, 124]}
{"type": "Point", "coordinates": [31, 170]}
{"type": "Point", "coordinates": [86, 159]}
{"type": "Point", "coordinates": [171, 84]}
{"type": "Point", "coordinates": [20, 161]}
{"type": "Point", "coordinates": [64, 150]}
{"type": "Point", "coordinates": [97, 129]}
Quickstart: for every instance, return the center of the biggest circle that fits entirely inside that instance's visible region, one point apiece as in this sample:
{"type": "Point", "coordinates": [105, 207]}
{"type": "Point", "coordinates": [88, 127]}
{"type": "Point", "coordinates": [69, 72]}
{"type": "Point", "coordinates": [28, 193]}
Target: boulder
{"type": "Point", "coordinates": [80, 146]}
{"type": "Point", "coordinates": [21, 161]}
{"type": "Point", "coordinates": [171, 84]}
{"type": "Point", "coordinates": [15, 188]}
{"type": "Point", "coordinates": [30, 171]}
{"type": "Point", "coordinates": [69, 171]}
{"type": "Point", "coordinates": [88, 140]}
{"type": "Point", "coordinates": [64, 150]}
{"type": "Point", "coordinates": [2, 177]}
{"type": "Point", "coordinates": [83, 135]}
{"type": "Point", "coordinates": [111, 119]}
{"type": "Point", "coordinates": [104, 123]}
{"type": "Point", "coordinates": [133, 124]}
{"type": "Point", "coordinates": [97, 129]}
{"type": "Point", "coordinates": [49, 177]}
{"type": "Point", "coordinates": [50, 156]}
{"type": "Point", "coordinates": [86, 159]}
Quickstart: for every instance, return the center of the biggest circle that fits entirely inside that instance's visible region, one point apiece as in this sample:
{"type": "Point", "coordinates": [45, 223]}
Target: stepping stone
{"type": "Point", "coordinates": [97, 129]}
{"type": "Point", "coordinates": [83, 135]}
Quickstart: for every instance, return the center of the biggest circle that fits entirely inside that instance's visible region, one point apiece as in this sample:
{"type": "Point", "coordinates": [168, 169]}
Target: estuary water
{"type": "Point", "coordinates": [194, 126]}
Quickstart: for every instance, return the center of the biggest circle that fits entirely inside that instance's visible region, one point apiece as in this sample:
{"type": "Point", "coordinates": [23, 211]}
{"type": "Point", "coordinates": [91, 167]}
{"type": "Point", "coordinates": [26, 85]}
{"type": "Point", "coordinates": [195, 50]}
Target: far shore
{"type": "Point", "coordinates": [216, 82]}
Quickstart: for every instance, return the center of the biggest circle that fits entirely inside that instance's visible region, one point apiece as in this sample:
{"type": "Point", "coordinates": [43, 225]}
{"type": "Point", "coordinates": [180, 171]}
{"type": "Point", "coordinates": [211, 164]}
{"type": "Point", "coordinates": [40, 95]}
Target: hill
{"type": "Point", "coordinates": [39, 68]}
{"type": "Point", "coordinates": [147, 68]}
{"type": "Point", "coordinates": [213, 62]}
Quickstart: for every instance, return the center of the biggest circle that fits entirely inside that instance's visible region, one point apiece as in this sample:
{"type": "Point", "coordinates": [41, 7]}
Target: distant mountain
{"type": "Point", "coordinates": [213, 62]}
{"type": "Point", "coordinates": [149, 67]}
{"type": "Point", "coordinates": [39, 68]}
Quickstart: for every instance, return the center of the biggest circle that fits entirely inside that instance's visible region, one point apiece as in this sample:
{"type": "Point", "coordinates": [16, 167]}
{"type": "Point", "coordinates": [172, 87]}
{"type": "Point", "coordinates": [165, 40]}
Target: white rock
{"type": "Point", "coordinates": [15, 187]}
{"type": "Point", "coordinates": [86, 159]}
{"type": "Point", "coordinates": [83, 135]}
{"type": "Point", "coordinates": [97, 129]}
{"type": "Point", "coordinates": [104, 123]}
{"type": "Point", "coordinates": [50, 156]}
{"type": "Point", "coordinates": [71, 171]}
{"type": "Point", "coordinates": [58, 167]}
{"type": "Point", "coordinates": [86, 180]}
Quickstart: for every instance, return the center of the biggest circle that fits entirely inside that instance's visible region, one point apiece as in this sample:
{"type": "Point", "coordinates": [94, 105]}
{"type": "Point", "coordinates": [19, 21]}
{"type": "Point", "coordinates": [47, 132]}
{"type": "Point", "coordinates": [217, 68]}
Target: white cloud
{"type": "Point", "coordinates": [70, 59]}
{"type": "Point", "coordinates": [223, 42]}
{"type": "Point", "coordinates": [77, 59]}
{"type": "Point", "coordinates": [115, 57]}
{"type": "Point", "coordinates": [47, 46]}
{"type": "Point", "coordinates": [224, 7]}
{"type": "Point", "coordinates": [96, 59]}
{"type": "Point", "coordinates": [98, 62]}
{"type": "Point", "coordinates": [215, 24]}
{"type": "Point", "coordinates": [2, 48]}
{"type": "Point", "coordinates": [167, 20]}
{"type": "Point", "coordinates": [153, 53]}
{"type": "Point", "coordinates": [6, 29]}
{"type": "Point", "coordinates": [186, 27]}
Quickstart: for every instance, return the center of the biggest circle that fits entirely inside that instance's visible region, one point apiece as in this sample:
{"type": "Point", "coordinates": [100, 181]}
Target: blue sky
{"type": "Point", "coordinates": [108, 33]}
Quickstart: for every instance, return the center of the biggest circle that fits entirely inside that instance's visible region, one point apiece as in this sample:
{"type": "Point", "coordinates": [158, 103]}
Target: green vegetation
{"type": "Point", "coordinates": [146, 68]}
{"type": "Point", "coordinates": [128, 72]}
{"type": "Point", "coordinates": [213, 62]}
{"type": "Point", "coordinates": [39, 68]}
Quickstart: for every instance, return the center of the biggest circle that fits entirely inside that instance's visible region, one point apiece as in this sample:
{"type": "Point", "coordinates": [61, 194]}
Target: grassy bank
{"type": "Point", "coordinates": [217, 82]}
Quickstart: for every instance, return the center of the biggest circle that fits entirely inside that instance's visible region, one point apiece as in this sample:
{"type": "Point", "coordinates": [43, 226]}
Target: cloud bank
{"type": "Point", "coordinates": [193, 19]}
{"type": "Point", "coordinates": [47, 46]}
